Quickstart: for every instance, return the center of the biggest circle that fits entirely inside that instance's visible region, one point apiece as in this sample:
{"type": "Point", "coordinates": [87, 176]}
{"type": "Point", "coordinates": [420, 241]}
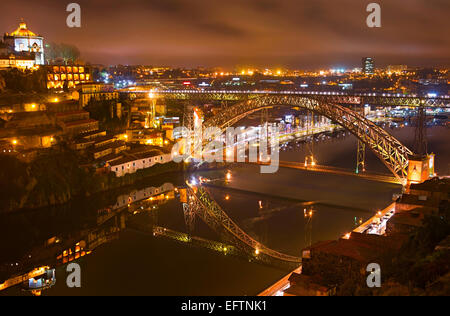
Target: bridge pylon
{"type": "Point", "coordinates": [309, 159]}
{"type": "Point", "coordinates": [360, 157]}
{"type": "Point", "coordinates": [189, 218]}
{"type": "Point", "coordinates": [420, 137]}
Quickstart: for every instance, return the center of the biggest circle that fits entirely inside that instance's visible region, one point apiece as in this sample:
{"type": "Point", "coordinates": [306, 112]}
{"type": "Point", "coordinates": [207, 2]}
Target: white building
{"type": "Point", "coordinates": [22, 40]}
{"type": "Point", "coordinates": [133, 163]}
{"type": "Point", "coordinates": [12, 61]}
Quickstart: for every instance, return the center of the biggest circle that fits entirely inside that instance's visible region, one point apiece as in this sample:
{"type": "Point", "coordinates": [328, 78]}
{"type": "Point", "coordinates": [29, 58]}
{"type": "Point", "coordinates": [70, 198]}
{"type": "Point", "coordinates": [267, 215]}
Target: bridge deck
{"type": "Point", "coordinates": [338, 171]}
{"type": "Point", "coordinates": [381, 99]}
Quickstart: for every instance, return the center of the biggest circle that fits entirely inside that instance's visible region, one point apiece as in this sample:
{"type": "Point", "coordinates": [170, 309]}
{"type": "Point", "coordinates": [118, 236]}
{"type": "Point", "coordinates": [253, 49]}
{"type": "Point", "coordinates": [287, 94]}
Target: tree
{"type": "Point", "coordinates": [25, 81]}
{"type": "Point", "coordinates": [66, 52]}
{"type": "Point", "coordinates": [69, 52]}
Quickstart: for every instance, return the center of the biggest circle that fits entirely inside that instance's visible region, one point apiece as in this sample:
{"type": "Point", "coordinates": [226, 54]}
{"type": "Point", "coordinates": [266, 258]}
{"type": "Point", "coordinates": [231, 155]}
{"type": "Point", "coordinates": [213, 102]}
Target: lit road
{"type": "Point", "coordinates": [336, 171]}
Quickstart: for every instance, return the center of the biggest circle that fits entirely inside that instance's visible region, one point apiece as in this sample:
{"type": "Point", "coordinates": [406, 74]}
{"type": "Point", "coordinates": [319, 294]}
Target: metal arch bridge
{"type": "Point", "coordinates": [379, 99]}
{"type": "Point", "coordinates": [388, 149]}
{"type": "Point", "coordinates": [200, 201]}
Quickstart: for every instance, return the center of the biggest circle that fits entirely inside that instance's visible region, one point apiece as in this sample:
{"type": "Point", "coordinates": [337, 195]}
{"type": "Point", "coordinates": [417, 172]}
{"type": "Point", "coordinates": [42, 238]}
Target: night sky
{"type": "Point", "coordinates": [274, 33]}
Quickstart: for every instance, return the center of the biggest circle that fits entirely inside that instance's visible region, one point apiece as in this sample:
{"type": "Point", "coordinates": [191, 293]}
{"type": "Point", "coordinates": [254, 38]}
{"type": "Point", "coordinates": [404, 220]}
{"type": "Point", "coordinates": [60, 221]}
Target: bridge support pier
{"type": "Point", "coordinates": [361, 157]}
{"type": "Point", "coordinates": [420, 168]}
{"type": "Point", "coordinates": [189, 218]}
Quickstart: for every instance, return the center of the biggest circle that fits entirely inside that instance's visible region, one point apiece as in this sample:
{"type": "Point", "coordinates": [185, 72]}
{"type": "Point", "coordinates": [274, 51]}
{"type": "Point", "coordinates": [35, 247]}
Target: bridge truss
{"type": "Point", "coordinates": [388, 149]}
{"type": "Point", "coordinates": [377, 99]}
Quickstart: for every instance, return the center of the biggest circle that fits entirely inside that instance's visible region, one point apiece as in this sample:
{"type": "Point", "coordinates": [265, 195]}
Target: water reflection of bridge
{"type": "Point", "coordinates": [199, 201]}
{"type": "Point", "coordinates": [234, 240]}
{"type": "Point", "coordinates": [63, 249]}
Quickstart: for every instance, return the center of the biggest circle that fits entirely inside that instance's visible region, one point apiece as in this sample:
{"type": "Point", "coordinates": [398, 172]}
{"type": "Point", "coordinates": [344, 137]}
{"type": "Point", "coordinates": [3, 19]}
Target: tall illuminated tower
{"type": "Point", "coordinates": [368, 65]}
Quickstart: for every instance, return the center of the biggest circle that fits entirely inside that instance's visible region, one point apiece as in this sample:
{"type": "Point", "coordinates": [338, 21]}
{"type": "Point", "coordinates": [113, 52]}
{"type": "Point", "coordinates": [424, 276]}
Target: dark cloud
{"type": "Point", "coordinates": [296, 33]}
{"type": "Point", "coordinates": [222, 29]}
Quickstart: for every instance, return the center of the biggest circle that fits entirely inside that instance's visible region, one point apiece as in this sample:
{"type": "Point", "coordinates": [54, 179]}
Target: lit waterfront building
{"type": "Point", "coordinates": [22, 40]}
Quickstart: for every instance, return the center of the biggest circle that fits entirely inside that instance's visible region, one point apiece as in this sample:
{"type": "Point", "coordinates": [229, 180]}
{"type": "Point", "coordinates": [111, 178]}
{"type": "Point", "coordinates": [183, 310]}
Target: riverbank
{"type": "Point", "coordinates": [409, 240]}
{"type": "Point", "coordinates": [56, 178]}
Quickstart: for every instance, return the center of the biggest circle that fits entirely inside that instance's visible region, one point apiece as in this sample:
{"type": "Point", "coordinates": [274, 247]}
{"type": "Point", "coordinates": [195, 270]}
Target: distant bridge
{"type": "Point", "coordinates": [379, 99]}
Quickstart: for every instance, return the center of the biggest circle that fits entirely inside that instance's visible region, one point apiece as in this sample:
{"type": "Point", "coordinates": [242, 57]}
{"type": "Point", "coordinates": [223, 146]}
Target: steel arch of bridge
{"type": "Point", "coordinates": [388, 149]}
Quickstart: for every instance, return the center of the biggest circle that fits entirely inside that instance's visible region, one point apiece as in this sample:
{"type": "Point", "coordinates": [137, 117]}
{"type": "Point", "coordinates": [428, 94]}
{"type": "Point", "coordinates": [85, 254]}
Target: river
{"type": "Point", "coordinates": [272, 208]}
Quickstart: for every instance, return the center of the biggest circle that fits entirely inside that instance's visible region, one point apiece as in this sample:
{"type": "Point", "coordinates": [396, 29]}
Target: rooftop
{"type": "Point", "coordinates": [93, 133]}
{"type": "Point", "coordinates": [17, 57]}
{"type": "Point", "coordinates": [433, 185]}
{"type": "Point", "coordinates": [22, 30]}
{"type": "Point", "coordinates": [360, 247]}
{"type": "Point", "coordinates": [411, 199]}
{"type": "Point", "coordinates": [117, 144]}
{"type": "Point", "coordinates": [68, 113]}
{"type": "Point", "coordinates": [300, 280]}
{"type": "Point", "coordinates": [407, 218]}
{"type": "Point", "coordinates": [80, 122]}
{"type": "Point", "coordinates": [135, 157]}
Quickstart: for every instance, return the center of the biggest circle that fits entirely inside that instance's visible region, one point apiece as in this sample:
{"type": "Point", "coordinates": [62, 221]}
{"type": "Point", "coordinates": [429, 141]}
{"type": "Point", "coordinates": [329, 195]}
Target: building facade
{"type": "Point", "coordinates": [67, 76]}
{"type": "Point", "coordinates": [22, 40]}
{"type": "Point", "coordinates": [133, 163]}
{"type": "Point", "coordinates": [16, 61]}
{"type": "Point", "coordinates": [368, 66]}
{"type": "Point", "coordinates": [96, 91]}
{"type": "Point", "coordinates": [76, 122]}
